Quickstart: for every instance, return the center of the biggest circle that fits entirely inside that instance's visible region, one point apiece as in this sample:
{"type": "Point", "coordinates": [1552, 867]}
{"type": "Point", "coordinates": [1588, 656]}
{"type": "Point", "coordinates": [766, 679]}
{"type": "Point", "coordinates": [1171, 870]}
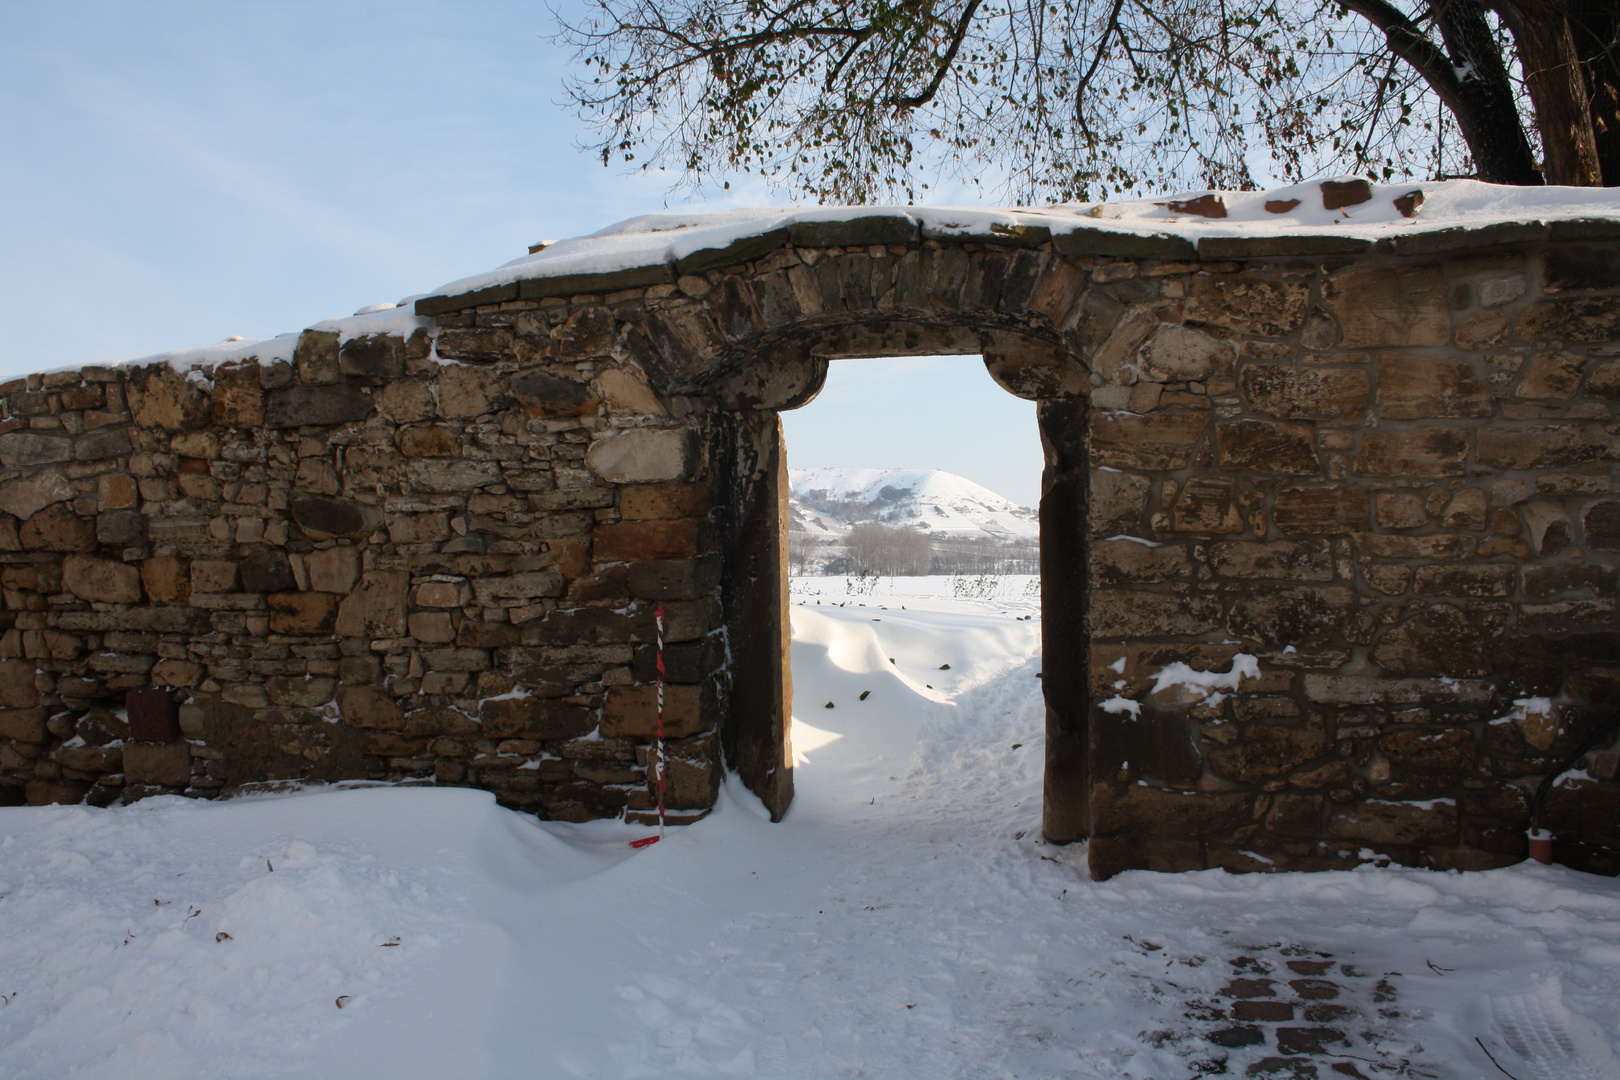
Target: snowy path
{"type": "Point", "coordinates": [903, 921]}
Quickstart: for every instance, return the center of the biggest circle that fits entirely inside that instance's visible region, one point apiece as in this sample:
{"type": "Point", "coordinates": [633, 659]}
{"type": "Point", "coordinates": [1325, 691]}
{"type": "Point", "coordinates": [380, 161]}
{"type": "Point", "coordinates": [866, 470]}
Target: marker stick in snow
{"type": "Point", "coordinates": [658, 619]}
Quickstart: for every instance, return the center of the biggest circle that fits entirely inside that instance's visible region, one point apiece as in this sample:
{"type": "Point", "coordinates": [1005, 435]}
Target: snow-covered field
{"type": "Point", "coordinates": [905, 920]}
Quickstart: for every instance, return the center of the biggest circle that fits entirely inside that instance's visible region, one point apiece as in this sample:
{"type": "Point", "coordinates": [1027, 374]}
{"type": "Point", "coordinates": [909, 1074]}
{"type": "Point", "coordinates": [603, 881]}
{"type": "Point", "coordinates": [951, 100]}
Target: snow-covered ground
{"type": "Point", "coordinates": [905, 920]}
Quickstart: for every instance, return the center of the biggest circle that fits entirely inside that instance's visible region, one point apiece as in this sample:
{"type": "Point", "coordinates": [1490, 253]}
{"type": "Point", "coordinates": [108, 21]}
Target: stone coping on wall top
{"type": "Point", "coordinates": [1330, 218]}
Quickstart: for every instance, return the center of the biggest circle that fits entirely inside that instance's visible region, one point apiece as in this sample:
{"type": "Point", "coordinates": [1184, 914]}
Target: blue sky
{"type": "Point", "coordinates": [176, 173]}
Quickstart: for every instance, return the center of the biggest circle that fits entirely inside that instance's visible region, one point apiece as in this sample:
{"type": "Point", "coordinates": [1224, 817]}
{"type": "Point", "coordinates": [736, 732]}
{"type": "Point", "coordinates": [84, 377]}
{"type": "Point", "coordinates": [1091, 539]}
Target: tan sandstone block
{"type": "Point", "coordinates": [1429, 452]}
{"type": "Point", "coordinates": [167, 579]}
{"type": "Point", "coordinates": [213, 575]}
{"type": "Point", "coordinates": [333, 569]}
{"type": "Point", "coordinates": [1307, 393]}
{"type": "Point", "coordinates": [1417, 387]}
{"type": "Point", "coordinates": [101, 580]}
{"type": "Point", "coordinates": [1156, 441]}
{"type": "Point", "coordinates": [1390, 306]}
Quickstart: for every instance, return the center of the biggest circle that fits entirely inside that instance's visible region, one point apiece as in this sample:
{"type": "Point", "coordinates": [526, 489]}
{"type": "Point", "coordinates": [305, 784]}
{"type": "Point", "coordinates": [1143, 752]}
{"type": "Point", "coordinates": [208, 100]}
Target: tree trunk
{"type": "Point", "coordinates": [1595, 26]}
{"type": "Point", "coordinates": [1484, 105]}
{"type": "Point", "coordinates": [1557, 85]}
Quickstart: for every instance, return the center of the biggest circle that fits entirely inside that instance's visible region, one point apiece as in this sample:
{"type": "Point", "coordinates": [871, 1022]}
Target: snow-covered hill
{"type": "Point", "coordinates": [826, 502]}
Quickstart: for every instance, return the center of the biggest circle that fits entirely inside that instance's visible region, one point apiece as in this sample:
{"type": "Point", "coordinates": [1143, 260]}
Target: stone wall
{"type": "Point", "coordinates": [1388, 472]}
{"type": "Point", "coordinates": [365, 564]}
{"type": "Point", "coordinates": [1393, 480]}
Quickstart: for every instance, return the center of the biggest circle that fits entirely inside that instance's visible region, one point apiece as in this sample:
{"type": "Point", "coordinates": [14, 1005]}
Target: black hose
{"type": "Point", "coordinates": [1593, 739]}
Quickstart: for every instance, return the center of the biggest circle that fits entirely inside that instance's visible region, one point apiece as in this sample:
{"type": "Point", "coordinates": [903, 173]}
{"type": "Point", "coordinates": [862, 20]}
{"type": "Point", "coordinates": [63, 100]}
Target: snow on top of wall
{"type": "Point", "coordinates": [397, 319]}
{"type": "Point", "coordinates": [651, 239]}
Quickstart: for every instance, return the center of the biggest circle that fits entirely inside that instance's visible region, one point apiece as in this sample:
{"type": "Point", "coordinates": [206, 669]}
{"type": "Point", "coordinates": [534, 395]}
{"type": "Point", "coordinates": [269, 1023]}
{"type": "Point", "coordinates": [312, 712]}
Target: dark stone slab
{"type": "Point", "coordinates": [741, 250]}
{"type": "Point", "coordinates": [323, 517]}
{"type": "Point", "coordinates": [855, 232]}
{"type": "Point", "coordinates": [637, 277]}
{"type": "Point", "coordinates": [1586, 229]}
{"type": "Point", "coordinates": [322, 405]}
{"type": "Point", "coordinates": [1124, 245]}
{"type": "Point", "coordinates": [1024, 236]}
{"type": "Point", "coordinates": [439, 305]}
{"type": "Point", "coordinates": [1250, 247]}
{"type": "Point", "coordinates": [1461, 238]}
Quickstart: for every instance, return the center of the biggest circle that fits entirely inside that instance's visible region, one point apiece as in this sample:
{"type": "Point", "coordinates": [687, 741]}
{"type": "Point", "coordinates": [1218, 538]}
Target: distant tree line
{"type": "Point", "coordinates": [880, 550]}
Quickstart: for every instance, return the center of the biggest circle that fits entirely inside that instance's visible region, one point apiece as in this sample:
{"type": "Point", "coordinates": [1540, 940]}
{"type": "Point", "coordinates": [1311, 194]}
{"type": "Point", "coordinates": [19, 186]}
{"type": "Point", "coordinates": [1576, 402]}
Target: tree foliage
{"type": "Point", "coordinates": [1074, 100]}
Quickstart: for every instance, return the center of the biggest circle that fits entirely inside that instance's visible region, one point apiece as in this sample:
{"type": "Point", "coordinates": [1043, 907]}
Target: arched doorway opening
{"type": "Point", "coordinates": [750, 471]}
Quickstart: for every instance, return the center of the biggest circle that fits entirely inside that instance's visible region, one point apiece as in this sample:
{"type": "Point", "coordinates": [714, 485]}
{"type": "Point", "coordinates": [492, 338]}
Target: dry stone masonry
{"type": "Point", "coordinates": [1384, 468]}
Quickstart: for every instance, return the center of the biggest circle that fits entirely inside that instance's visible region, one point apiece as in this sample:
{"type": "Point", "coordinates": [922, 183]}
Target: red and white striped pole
{"type": "Point", "coordinates": [658, 619]}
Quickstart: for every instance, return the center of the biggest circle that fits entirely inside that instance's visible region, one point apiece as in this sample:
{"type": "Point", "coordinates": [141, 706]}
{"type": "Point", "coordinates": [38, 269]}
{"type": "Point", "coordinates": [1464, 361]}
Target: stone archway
{"type": "Point", "coordinates": [760, 342]}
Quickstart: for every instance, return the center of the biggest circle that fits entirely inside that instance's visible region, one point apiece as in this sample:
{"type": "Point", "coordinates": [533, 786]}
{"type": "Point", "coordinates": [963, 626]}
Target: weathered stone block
{"type": "Point", "coordinates": [1121, 613]}
{"type": "Point", "coordinates": [632, 712]}
{"type": "Point", "coordinates": [428, 441]}
{"type": "Point", "coordinates": [326, 517]}
{"type": "Point", "coordinates": [642, 455]}
{"type": "Point", "coordinates": [376, 609]}
{"type": "Point", "coordinates": [158, 764]}
{"type": "Point", "coordinates": [371, 707]}
{"type": "Point", "coordinates": [28, 495]}
{"type": "Point", "coordinates": [213, 576]}
{"type": "Point", "coordinates": [1381, 306]}
{"type": "Point", "coordinates": [528, 586]}
{"type": "Point", "coordinates": [1440, 640]}
{"type": "Point", "coordinates": [1121, 807]}
{"type": "Point", "coordinates": [1433, 546]}
{"type": "Point", "coordinates": [431, 627]}
{"type": "Point", "coordinates": [1252, 305]}
{"type": "Point", "coordinates": [373, 358]}
{"type": "Point", "coordinates": [541, 719]}
{"type": "Point", "coordinates": [121, 528]}
{"type": "Point", "coordinates": [101, 580]}
{"type": "Point", "coordinates": [1594, 318]}
{"type": "Point", "coordinates": [1426, 452]}
{"type": "Point", "coordinates": [1205, 504]}
{"type": "Point", "coordinates": [167, 580]}
{"type": "Point", "coordinates": [1551, 446]}
{"type": "Point", "coordinates": [544, 394]}
{"type": "Point", "coordinates": [418, 528]}
{"type": "Point", "coordinates": [641, 502]}
{"type": "Point", "coordinates": [1322, 510]}
{"type": "Point", "coordinates": [1466, 580]}
{"type": "Point", "coordinates": [1307, 393]}
{"type": "Point", "coordinates": [266, 571]}
{"type": "Point", "coordinates": [1421, 748]}
{"type": "Point", "coordinates": [58, 528]}
{"type": "Point", "coordinates": [1385, 825]}
{"type": "Point", "coordinates": [636, 541]}
{"type": "Point", "coordinates": [25, 725]}
{"type": "Point", "coordinates": [1580, 269]}
{"type": "Point", "coordinates": [238, 399]}
{"type": "Point", "coordinates": [333, 569]}
{"type": "Point", "coordinates": [1154, 441]}
{"type": "Point", "coordinates": [326, 406]}
{"type": "Point", "coordinates": [1184, 354]}
{"type": "Point", "coordinates": [1552, 376]}
{"type": "Point", "coordinates": [1116, 562]}
{"type": "Point", "coordinates": [1400, 510]}
{"type": "Point", "coordinates": [1266, 751]}
{"type": "Point", "coordinates": [302, 612]}
{"type": "Point", "coordinates": [1117, 501]}
{"type": "Point", "coordinates": [26, 448]}
{"type": "Point", "coordinates": [1292, 616]}
{"type": "Point", "coordinates": [452, 474]}
{"type": "Point", "coordinates": [674, 579]}
{"type": "Point", "coordinates": [1256, 444]}
{"type": "Point", "coordinates": [1417, 387]}
{"type": "Point", "coordinates": [1288, 560]}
